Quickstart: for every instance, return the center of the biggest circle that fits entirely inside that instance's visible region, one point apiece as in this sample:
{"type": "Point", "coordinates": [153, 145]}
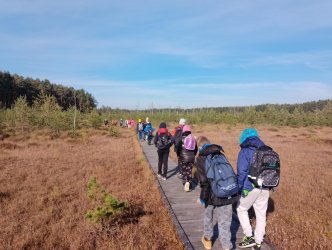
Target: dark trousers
{"type": "Point", "coordinates": [186, 169]}
{"type": "Point", "coordinates": [163, 160]}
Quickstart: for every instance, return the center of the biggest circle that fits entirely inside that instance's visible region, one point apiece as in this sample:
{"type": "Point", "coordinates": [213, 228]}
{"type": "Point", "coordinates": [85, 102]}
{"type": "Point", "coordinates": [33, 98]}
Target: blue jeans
{"type": "Point", "coordinates": [140, 135]}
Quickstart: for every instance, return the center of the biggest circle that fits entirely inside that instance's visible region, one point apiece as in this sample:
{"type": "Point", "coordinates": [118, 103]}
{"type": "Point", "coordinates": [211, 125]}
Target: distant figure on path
{"type": "Point", "coordinates": [140, 129]}
{"type": "Point", "coordinates": [148, 130]}
{"type": "Point", "coordinates": [251, 195]}
{"type": "Point", "coordinates": [177, 135]}
{"type": "Point", "coordinates": [222, 206]}
{"type": "Point", "coordinates": [106, 123]}
{"type": "Point", "coordinates": [186, 150]}
{"type": "Point", "coordinates": [163, 141]}
{"type": "Point", "coordinates": [147, 121]}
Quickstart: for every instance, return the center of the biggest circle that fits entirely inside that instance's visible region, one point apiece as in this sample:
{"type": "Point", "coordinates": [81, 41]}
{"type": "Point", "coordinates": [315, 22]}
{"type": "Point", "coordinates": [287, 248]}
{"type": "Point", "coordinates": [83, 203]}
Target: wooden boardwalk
{"type": "Point", "coordinates": [187, 215]}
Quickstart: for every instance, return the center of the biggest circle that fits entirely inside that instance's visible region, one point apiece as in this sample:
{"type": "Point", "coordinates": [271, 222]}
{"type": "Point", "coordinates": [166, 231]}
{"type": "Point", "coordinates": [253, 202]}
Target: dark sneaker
{"type": "Point", "coordinates": [248, 241]}
{"type": "Point", "coordinates": [256, 247]}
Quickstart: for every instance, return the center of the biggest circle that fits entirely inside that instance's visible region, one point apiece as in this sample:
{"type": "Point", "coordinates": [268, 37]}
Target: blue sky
{"type": "Point", "coordinates": [139, 54]}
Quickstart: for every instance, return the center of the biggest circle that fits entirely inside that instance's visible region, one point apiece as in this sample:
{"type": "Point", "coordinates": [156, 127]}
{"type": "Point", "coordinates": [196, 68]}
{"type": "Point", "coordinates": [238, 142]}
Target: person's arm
{"type": "Point", "coordinates": [242, 168]}
{"type": "Point", "coordinates": [155, 139]}
{"type": "Point", "coordinates": [196, 149]}
{"type": "Point", "coordinates": [171, 138]}
{"type": "Point", "coordinates": [179, 147]}
{"type": "Point", "coordinates": [202, 178]}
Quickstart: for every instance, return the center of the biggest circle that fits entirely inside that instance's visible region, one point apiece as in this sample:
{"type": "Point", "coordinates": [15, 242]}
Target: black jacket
{"type": "Point", "coordinates": [206, 191]}
{"type": "Point", "coordinates": [185, 154]}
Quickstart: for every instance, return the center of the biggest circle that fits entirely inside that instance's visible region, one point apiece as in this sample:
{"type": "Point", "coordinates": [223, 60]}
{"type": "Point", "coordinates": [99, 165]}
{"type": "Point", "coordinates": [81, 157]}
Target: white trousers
{"type": "Point", "coordinates": [259, 199]}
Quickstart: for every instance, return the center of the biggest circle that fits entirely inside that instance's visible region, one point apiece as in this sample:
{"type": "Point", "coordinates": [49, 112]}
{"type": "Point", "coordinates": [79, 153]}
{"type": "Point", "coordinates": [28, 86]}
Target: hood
{"type": "Point", "coordinates": [252, 141]}
{"type": "Point", "coordinates": [248, 132]}
{"type": "Point", "coordinates": [162, 131]}
{"type": "Point", "coordinates": [208, 149]}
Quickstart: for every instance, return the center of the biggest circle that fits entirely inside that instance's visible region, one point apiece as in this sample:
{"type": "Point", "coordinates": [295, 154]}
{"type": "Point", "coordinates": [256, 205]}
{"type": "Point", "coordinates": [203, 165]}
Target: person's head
{"type": "Point", "coordinates": [201, 140]}
{"type": "Point", "coordinates": [162, 125]}
{"type": "Point", "coordinates": [248, 132]}
{"type": "Point", "coordinates": [182, 121]}
{"type": "Point", "coordinates": [147, 120]}
{"type": "Point", "coordinates": [140, 120]}
{"type": "Point", "coordinates": [186, 128]}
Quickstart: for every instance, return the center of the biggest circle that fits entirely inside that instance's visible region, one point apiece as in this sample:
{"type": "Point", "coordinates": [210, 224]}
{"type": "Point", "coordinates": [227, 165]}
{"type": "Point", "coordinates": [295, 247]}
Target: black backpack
{"type": "Point", "coordinates": [164, 141]}
{"type": "Point", "coordinates": [264, 171]}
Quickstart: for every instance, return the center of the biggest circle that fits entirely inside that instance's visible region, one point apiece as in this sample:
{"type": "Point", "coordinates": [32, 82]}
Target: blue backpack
{"type": "Point", "coordinates": [221, 175]}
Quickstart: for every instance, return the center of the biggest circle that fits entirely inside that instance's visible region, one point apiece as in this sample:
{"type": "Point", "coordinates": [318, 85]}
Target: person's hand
{"type": "Point", "coordinates": [200, 201]}
{"type": "Point", "coordinates": [245, 192]}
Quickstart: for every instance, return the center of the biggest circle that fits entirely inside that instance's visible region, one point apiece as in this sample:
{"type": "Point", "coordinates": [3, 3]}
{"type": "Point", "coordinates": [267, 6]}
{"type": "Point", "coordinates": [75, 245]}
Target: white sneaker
{"type": "Point", "coordinates": [187, 186]}
{"type": "Point", "coordinates": [159, 175]}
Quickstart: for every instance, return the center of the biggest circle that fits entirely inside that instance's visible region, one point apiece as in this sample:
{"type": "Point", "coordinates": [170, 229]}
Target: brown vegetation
{"type": "Point", "coordinates": [300, 210]}
{"type": "Point", "coordinates": [43, 198]}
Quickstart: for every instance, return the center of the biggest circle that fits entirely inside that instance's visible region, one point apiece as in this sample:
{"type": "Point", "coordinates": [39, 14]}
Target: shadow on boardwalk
{"type": "Point", "coordinates": [187, 215]}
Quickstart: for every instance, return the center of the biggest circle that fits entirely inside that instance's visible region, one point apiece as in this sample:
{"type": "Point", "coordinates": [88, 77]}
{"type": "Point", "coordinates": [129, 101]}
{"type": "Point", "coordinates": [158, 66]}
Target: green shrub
{"type": "Point", "coordinates": [113, 131]}
{"type": "Point", "coordinates": [107, 209]}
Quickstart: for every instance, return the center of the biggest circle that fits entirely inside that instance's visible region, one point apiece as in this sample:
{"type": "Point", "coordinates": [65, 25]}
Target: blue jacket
{"type": "Point", "coordinates": [244, 160]}
{"type": "Point", "coordinates": [146, 129]}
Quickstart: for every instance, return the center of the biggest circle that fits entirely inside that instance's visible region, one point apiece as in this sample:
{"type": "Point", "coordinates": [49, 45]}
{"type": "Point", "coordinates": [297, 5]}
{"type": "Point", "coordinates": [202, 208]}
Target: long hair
{"type": "Point", "coordinates": [202, 140]}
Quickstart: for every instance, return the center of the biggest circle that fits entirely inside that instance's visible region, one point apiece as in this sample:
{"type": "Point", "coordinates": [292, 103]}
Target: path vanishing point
{"type": "Point", "coordinates": [186, 214]}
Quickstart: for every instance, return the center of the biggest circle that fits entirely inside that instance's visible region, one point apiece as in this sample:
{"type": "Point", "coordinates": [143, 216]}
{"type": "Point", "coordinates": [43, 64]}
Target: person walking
{"type": "Point", "coordinates": [250, 195]}
{"type": "Point", "coordinates": [213, 204]}
{"type": "Point", "coordinates": [140, 129]}
{"type": "Point", "coordinates": [163, 140]}
{"type": "Point", "coordinates": [177, 134]}
{"type": "Point", "coordinates": [187, 150]}
{"type": "Point", "coordinates": [148, 130]}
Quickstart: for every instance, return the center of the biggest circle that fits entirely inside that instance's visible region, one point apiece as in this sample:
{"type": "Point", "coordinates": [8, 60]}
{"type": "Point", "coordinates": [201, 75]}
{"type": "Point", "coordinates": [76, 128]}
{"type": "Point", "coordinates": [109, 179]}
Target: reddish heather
{"type": "Point", "coordinates": [300, 210]}
{"type": "Point", "coordinates": [43, 194]}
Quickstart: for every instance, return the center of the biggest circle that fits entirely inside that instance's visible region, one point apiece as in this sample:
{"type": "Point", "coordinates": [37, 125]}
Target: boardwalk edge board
{"type": "Point", "coordinates": [175, 220]}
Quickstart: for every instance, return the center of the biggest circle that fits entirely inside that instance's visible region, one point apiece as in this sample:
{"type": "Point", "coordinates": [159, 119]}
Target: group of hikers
{"type": "Point", "coordinates": [258, 172]}
{"type": "Point", "coordinates": [126, 123]}
{"type": "Point", "coordinates": [145, 130]}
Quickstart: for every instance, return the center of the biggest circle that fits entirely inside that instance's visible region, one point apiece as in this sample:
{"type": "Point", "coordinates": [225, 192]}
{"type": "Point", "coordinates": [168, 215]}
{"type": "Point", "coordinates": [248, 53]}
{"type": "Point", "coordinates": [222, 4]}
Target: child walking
{"type": "Point", "coordinates": [186, 151]}
{"type": "Point", "coordinates": [250, 195]}
{"type": "Point", "coordinates": [163, 141]}
{"type": "Point", "coordinates": [221, 206]}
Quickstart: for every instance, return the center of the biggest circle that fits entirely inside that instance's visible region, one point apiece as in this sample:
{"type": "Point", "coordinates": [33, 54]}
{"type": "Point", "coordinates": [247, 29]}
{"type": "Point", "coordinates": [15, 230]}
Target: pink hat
{"type": "Point", "coordinates": [186, 128]}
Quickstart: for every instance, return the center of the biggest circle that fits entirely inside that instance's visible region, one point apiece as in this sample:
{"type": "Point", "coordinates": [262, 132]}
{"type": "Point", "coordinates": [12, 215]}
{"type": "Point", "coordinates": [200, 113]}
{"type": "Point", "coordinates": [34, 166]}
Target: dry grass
{"type": "Point", "coordinates": [43, 193]}
{"type": "Point", "coordinates": [300, 210]}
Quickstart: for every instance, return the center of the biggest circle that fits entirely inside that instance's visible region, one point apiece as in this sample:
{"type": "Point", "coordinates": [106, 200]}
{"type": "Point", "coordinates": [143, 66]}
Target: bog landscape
{"type": "Point", "coordinates": [68, 181]}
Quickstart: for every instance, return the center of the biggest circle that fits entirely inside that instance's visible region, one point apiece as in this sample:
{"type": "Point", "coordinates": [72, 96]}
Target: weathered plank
{"type": "Point", "coordinates": [187, 215]}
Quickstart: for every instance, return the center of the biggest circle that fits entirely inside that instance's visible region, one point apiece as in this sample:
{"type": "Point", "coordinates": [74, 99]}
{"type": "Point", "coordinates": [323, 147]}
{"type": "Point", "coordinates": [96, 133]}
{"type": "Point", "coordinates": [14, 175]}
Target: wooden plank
{"type": "Point", "coordinates": [186, 214]}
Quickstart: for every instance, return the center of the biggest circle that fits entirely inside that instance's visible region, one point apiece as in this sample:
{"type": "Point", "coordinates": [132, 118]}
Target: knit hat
{"type": "Point", "coordinates": [248, 132]}
{"type": "Point", "coordinates": [182, 121]}
{"type": "Point", "coordinates": [162, 125]}
{"type": "Point", "coordinates": [186, 128]}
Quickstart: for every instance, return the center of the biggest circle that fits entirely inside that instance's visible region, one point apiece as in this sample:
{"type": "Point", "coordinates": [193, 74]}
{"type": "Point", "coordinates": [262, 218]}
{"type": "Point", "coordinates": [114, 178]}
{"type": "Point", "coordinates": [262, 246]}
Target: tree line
{"type": "Point", "coordinates": [304, 114]}
{"type": "Point", "coordinates": [14, 86]}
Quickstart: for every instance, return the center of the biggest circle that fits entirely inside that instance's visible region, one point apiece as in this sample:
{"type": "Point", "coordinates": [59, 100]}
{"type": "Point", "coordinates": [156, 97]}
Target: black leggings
{"type": "Point", "coordinates": [163, 159]}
